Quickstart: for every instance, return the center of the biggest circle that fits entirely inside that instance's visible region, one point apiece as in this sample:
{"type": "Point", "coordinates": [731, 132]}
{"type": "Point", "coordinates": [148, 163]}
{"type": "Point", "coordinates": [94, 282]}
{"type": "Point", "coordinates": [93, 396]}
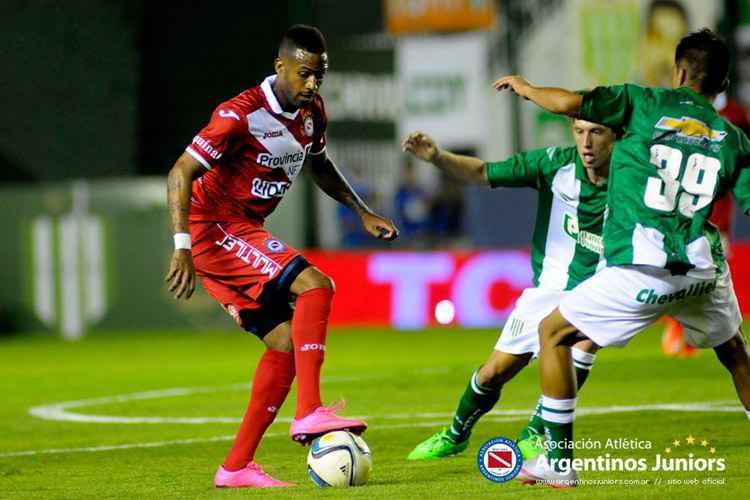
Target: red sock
{"type": "Point", "coordinates": [309, 328]}
{"type": "Point", "coordinates": [271, 384]}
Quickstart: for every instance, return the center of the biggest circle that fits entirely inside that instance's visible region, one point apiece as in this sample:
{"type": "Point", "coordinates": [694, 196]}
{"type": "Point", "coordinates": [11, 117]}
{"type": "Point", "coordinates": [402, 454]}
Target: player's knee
{"type": "Point", "coordinates": [310, 279]}
{"type": "Point", "coordinates": [546, 331]}
{"type": "Point", "coordinates": [279, 343]}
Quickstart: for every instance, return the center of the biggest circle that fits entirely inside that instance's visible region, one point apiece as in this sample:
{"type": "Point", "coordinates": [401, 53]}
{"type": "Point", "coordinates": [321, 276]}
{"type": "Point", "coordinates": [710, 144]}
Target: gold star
{"type": "Point", "coordinates": [676, 442]}
{"type": "Point", "coordinates": [690, 439]}
{"type": "Point", "coordinates": [668, 450]}
{"type": "Point", "coordinates": [704, 443]}
{"type": "Point", "coordinates": [712, 450]}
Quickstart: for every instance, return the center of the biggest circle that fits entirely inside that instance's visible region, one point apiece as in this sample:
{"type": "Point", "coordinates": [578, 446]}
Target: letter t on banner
{"type": "Point", "coordinates": [410, 275]}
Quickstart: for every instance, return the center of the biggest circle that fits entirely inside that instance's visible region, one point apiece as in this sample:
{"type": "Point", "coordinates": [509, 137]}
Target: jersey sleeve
{"type": "Point", "coordinates": [521, 170]}
{"type": "Point", "coordinates": [220, 137]}
{"type": "Point", "coordinates": [611, 106]}
{"type": "Point", "coordinates": [320, 125]}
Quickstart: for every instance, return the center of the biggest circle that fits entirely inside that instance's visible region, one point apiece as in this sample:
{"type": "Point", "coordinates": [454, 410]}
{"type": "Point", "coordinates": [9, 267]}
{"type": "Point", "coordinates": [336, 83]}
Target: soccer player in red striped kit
{"type": "Point", "coordinates": [228, 180]}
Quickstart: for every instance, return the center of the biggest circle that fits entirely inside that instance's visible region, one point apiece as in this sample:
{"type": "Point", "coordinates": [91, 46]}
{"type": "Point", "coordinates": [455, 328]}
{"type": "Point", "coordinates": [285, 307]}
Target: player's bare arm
{"type": "Point", "coordinates": [181, 274]}
{"type": "Point", "coordinates": [332, 182]}
{"type": "Point", "coordinates": [466, 168]}
{"type": "Point", "coordinates": [556, 100]}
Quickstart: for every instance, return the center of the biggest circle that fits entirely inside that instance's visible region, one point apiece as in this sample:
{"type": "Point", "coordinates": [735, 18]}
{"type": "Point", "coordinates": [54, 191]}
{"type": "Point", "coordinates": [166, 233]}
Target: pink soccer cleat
{"type": "Point", "coordinates": [252, 476]}
{"type": "Point", "coordinates": [324, 420]}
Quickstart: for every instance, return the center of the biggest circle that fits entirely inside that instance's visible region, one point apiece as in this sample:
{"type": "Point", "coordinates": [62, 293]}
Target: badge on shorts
{"type": "Point", "coordinates": [274, 246]}
{"type": "Point", "coordinates": [308, 126]}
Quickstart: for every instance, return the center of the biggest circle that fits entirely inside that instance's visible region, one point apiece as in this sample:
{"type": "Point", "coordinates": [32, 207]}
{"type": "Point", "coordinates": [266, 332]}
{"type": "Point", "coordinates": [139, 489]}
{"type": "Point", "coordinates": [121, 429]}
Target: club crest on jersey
{"type": "Point", "coordinates": [690, 128]}
{"type": "Point", "coordinates": [308, 126]}
{"type": "Point", "coordinates": [274, 246]}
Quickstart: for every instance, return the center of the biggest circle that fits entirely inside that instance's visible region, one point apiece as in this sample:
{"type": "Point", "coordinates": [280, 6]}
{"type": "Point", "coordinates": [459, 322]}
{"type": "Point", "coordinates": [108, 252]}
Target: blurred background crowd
{"type": "Point", "coordinates": [100, 98]}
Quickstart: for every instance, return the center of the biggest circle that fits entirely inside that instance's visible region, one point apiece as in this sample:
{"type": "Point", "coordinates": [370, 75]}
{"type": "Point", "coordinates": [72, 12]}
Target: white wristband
{"type": "Point", "coordinates": [182, 241]}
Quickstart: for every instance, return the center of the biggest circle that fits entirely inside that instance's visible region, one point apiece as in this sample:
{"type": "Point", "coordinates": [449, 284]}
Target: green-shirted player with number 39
{"type": "Point", "coordinates": [676, 157]}
{"type": "Point", "coordinates": [566, 249]}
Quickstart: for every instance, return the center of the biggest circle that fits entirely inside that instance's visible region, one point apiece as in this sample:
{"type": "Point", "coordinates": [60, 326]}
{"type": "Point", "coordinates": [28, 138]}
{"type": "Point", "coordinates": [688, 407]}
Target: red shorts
{"type": "Point", "coordinates": [247, 270]}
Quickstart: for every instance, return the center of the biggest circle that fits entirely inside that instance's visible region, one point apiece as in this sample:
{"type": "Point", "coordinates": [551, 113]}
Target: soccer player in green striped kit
{"type": "Point", "coordinates": [676, 157]}
{"type": "Point", "coordinates": [566, 249]}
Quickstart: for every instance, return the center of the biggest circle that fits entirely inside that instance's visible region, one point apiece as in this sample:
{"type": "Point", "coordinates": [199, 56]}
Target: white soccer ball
{"type": "Point", "coordinates": [339, 458]}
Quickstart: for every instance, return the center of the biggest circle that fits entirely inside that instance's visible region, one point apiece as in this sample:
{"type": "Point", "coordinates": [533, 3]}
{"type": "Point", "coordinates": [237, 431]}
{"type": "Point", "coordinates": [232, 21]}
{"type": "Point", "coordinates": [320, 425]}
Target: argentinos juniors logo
{"type": "Point", "coordinates": [499, 459]}
{"type": "Point", "coordinates": [274, 246]}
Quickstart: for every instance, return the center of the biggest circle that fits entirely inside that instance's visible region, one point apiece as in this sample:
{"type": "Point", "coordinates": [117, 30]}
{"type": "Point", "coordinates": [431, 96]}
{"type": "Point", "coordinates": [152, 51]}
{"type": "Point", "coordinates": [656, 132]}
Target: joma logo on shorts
{"type": "Point", "coordinates": [649, 296]}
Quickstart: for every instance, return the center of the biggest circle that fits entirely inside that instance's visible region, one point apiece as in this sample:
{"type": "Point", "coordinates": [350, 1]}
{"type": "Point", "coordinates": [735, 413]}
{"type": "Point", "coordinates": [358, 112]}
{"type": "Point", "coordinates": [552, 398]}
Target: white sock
{"type": "Point", "coordinates": [582, 359]}
{"type": "Point", "coordinates": [561, 411]}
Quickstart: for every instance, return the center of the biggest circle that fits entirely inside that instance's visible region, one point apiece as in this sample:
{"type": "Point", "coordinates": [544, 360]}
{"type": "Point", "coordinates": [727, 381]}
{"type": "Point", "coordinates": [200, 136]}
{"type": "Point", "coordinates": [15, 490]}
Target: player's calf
{"type": "Point", "coordinates": [734, 356]}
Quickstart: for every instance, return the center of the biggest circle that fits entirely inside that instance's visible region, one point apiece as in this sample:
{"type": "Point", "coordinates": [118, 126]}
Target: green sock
{"type": "Point", "coordinates": [535, 427]}
{"type": "Point", "coordinates": [582, 361]}
{"type": "Point", "coordinates": [558, 416]}
{"type": "Point", "coordinates": [475, 402]}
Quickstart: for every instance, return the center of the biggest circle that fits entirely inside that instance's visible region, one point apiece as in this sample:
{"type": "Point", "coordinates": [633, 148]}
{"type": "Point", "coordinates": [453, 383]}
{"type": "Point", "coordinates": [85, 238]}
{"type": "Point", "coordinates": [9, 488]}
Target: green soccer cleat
{"type": "Point", "coordinates": [437, 446]}
{"type": "Point", "coordinates": [531, 447]}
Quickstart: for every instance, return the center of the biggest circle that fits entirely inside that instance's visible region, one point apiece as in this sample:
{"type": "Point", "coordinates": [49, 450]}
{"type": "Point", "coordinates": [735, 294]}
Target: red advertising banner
{"type": "Point", "coordinates": [409, 290]}
{"type": "Point", "coordinates": [416, 289]}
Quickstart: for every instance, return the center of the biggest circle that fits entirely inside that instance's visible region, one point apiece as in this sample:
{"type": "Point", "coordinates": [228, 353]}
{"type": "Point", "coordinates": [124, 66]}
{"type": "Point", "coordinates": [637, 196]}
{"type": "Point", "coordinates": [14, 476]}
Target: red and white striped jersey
{"type": "Point", "coordinates": [253, 151]}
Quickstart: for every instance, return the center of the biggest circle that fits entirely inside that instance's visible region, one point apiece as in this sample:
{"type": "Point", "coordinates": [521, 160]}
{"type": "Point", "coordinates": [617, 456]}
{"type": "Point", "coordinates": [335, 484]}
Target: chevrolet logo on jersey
{"type": "Point", "coordinates": [690, 127]}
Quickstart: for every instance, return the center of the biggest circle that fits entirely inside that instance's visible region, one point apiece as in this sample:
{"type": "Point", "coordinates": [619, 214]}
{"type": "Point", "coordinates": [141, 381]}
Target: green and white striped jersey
{"type": "Point", "coordinates": [676, 157]}
{"type": "Point", "coordinates": [567, 244]}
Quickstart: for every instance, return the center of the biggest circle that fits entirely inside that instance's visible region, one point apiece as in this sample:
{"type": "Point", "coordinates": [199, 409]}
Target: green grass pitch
{"type": "Point", "coordinates": [407, 384]}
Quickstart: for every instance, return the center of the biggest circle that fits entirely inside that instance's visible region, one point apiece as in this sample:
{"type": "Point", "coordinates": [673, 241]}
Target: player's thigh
{"type": "Point", "coordinates": [711, 318]}
{"type": "Point", "coordinates": [280, 337]}
{"type": "Point", "coordinates": [245, 256]}
{"type": "Point", "coordinates": [501, 367]}
{"type": "Point", "coordinates": [260, 319]}
{"type": "Point", "coordinates": [617, 303]}
{"type": "Point", "coordinates": [520, 334]}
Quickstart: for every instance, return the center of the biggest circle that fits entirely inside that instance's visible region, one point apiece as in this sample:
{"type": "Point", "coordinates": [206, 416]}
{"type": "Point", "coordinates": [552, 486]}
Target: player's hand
{"type": "Point", "coordinates": [516, 83]}
{"type": "Point", "coordinates": [421, 145]}
{"type": "Point", "coordinates": [379, 227]}
{"type": "Point", "coordinates": [181, 274]}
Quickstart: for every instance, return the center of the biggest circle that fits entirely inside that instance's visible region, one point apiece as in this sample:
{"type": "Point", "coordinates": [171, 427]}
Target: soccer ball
{"type": "Point", "coordinates": [339, 458]}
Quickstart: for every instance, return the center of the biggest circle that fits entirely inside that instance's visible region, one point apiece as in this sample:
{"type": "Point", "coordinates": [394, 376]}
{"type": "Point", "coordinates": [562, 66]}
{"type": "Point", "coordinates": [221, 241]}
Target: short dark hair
{"type": "Point", "coordinates": [706, 57]}
{"type": "Point", "coordinates": [302, 36]}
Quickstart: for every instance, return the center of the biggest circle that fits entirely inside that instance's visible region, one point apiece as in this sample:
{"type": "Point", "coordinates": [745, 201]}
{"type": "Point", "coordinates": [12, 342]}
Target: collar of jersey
{"type": "Point", "coordinates": [699, 99]}
{"type": "Point", "coordinates": [273, 101]}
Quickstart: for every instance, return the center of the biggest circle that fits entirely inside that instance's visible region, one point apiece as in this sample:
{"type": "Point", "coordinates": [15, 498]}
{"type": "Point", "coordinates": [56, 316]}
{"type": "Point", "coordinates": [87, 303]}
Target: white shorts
{"type": "Point", "coordinates": [617, 303]}
{"type": "Point", "coordinates": [520, 333]}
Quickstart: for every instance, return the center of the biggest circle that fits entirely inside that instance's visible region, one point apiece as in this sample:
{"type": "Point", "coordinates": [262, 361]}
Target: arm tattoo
{"type": "Point", "coordinates": [178, 200]}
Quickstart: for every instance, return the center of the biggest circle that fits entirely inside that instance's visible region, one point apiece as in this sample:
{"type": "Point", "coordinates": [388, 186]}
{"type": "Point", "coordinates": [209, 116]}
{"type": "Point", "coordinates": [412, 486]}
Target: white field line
{"type": "Point", "coordinates": [157, 444]}
{"type": "Point", "coordinates": [494, 416]}
{"type": "Point", "coordinates": [60, 411]}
